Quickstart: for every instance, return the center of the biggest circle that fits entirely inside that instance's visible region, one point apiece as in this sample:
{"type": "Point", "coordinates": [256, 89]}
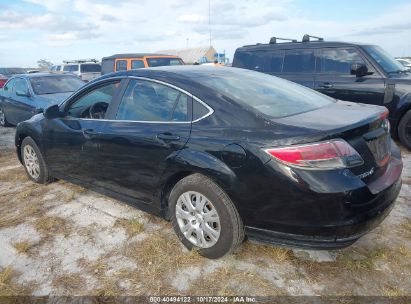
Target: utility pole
{"type": "Point", "coordinates": [209, 19]}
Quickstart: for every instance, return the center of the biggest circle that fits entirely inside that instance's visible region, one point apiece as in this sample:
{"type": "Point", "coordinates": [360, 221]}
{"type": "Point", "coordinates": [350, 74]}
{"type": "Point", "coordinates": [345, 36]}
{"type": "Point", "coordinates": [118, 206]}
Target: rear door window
{"type": "Point", "coordinates": [150, 101]}
{"type": "Point", "coordinates": [137, 64]}
{"type": "Point", "coordinates": [121, 65]}
{"type": "Point", "coordinates": [262, 61]}
{"type": "Point", "coordinates": [299, 61]}
{"type": "Point", "coordinates": [337, 60]}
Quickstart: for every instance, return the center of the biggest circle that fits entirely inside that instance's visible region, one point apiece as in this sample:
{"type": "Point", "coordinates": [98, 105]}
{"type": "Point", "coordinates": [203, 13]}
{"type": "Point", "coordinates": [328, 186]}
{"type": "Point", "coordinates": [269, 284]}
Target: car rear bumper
{"type": "Point", "coordinates": [335, 235]}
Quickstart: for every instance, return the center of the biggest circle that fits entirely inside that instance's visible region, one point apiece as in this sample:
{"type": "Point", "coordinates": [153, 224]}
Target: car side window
{"type": "Point", "coordinates": [70, 68]}
{"type": "Point", "coordinates": [199, 110]}
{"type": "Point", "coordinates": [299, 61]}
{"type": "Point", "coordinates": [8, 88]}
{"type": "Point", "coordinates": [151, 101]}
{"type": "Point", "coordinates": [137, 64]}
{"type": "Point", "coordinates": [20, 86]}
{"type": "Point", "coordinates": [262, 61]}
{"type": "Point", "coordinates": [338, 60]}
{"type": "Point", "coordinates": [95, 103]}
{"type": "Point", "coordinates": [121, 65]}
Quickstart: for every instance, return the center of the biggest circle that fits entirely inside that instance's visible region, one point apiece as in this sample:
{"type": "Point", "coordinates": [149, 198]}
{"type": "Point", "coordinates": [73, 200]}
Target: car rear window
{"type": "Point", "coordinates": [270, 95]}
{"type": "Point", "coordinates": [90, 68]}
{"type": "Point", "coordinates": [55, 84]}
{"type": "Point", "coordinates": [70, 68]}
{"type": "Point", "coordinates": [155, 62]}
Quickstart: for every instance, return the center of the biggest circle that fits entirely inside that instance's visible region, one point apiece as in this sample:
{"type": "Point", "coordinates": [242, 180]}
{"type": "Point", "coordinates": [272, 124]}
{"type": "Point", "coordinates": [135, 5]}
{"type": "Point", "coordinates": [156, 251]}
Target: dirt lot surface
{"type": "Point", "coordinates": [62, 239]}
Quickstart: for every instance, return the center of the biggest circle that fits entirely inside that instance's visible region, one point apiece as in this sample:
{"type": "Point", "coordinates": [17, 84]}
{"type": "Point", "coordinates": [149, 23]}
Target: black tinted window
{"type": "Point", "coordinates": [137, 64]}
{"type": "Point", "coordinates": [90, 68]}
{"type": "Point", "coordinates": [70, 68]}
{"type": "Point", "coordinates": [198, 110]}
{"type": "Point", "coordinates": [338, 60]}
{"type": "Point", "coordinates": [262, 61]}
{"type": "Point", "coordinates": [103, 95]}
{"type": "Point", "coordinates": [299, 61]}
{"type": "Point", "coordinates": [150, 101]}
{"type": "Point", "coordinates": [155, 62]}
{"type": "Point", "coordinates": [121, 65]}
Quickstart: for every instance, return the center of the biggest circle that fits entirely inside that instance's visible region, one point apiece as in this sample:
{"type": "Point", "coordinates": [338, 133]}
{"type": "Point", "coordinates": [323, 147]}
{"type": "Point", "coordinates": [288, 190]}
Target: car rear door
{"type": "Point", "coordinates": [334, 79]}
{"type": "Point", "coordinates": [151, 125]}
{"type": "Point", "coordinates": [299, 66]}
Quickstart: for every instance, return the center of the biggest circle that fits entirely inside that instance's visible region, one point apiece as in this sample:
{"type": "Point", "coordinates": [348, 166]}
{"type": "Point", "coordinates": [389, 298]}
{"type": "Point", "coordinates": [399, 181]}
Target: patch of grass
{"type": "Point", "coordinates": [95, 267]}
{"type": "Point", "coordinates": [69, 284]}
{"type": "Point", "coordinates": [22, 247]}
{"type": "Point", "coordinates": [132, 226]}
{"type": "Point", "coordinates": [250, 250]}
{"type": "Point", "coordinates": [13, 175]}
{"type": "Point", "coordinates": [52, 225]}
{"type": "Point", "coordinates": [159, 254]}
{"type": "Point", "coordinates": [109, 289]}
{"type": "Point", "coordinates": [16, 218]}
{"type": "Point", "coordinates": [7, 287]}
{"type": "Point", "coordinates": [406, 225]}
{"type": "Point", "coordinates": [390, 291]}
{"type": "Point", "coordinates": [366, 263]}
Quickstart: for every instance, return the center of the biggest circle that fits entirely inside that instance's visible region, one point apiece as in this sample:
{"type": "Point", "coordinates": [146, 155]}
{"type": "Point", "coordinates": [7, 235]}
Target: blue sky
{"type": "Point", "coordinates": [56, 30]}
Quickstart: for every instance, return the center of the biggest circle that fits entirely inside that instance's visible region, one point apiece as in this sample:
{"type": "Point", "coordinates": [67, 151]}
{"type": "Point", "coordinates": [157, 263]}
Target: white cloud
{"type": "Point", "coordinates": [191, 18]}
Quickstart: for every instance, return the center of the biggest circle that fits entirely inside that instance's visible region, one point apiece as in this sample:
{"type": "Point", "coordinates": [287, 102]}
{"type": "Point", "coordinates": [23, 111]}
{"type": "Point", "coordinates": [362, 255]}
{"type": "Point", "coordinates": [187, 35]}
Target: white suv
{"type": "Point", "coordinates": [86, 69]}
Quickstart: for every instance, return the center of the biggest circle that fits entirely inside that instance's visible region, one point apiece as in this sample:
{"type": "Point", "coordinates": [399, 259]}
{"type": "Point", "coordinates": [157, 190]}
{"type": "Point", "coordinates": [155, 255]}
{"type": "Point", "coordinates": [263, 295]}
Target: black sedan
{"type": "Point", "coordinates": [223, 153]}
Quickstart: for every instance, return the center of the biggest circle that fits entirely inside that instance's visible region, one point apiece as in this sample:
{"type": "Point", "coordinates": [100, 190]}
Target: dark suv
{"type": "Point", "coordinates": [346, 71]}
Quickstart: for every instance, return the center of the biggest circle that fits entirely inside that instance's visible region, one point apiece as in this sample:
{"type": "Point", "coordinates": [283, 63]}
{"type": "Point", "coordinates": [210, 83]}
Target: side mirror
{"type": "Point", "coordinates": [52, 112]}
{"type": "Point", "coordinates": [23, 93]}
{"type": "Point", "coordinates": [359, 69]}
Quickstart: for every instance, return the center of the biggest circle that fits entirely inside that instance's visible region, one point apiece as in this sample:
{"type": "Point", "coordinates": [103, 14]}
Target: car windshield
{"type": "Point", "coordinates": [12, 71]}
{"type": "Point", "coordinates": [55, 84]}
{"type": "Point", "coordinates": [272, 96]}
{"type": "Point", "coordinates": [90, 68]}
{"type": "Point", "coordinates": [156, 62]}
{"type": "Point", "coordinates": [385, 60]}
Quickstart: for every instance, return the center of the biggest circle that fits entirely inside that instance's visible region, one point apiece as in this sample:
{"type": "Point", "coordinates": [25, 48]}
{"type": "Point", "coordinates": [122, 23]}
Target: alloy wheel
{"type": "Point", "coordinates": [31, 161]}
{"type": "Point", "coordinates": [198, 219]}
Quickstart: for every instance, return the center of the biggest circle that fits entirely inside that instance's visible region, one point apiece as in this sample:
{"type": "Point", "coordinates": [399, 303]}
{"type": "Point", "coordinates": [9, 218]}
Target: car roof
{"type": "Point", "coordinates": [299, 45]}
{"type": "Point", "coordinates": [137, 55]}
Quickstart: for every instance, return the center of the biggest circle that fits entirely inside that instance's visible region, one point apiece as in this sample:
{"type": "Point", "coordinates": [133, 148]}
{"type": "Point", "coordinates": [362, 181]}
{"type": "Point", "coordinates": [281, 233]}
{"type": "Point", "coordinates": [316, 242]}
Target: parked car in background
{"type": "Point", "coordinates": [26, 95]}
{"type": "Point", "coordinates": [217, 150]}
{"type": "Point", "coordinates": [405, 62]}
{"type": "Point", "coordinates": [125, 62]}
{"type": "Point", "coordinates": [6, 73]}
{"type": "Point", "coordinates": [347, 71]}
{"type": "Point", "coordinates": [86, 69]}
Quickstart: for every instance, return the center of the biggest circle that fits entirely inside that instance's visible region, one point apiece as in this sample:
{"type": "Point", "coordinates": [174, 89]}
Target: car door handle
{"type": "Point", "coordinates": [326, 85]}
{"type": "Point", "coordinates": [88, 133]}
{"type": "Point", "coordinates": [168, 136]}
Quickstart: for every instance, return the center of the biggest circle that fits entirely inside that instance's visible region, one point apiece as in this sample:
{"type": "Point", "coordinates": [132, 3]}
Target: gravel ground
{"type": "Point", "coordinates": [62, 239]}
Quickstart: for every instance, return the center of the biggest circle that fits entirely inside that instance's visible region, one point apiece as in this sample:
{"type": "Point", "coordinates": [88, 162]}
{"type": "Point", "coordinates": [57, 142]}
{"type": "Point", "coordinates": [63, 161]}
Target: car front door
{"type": "Point", "coordinates": [73, 140]}
{"type": "Point", "coordinates": [22, 104]}
{"type": "Point", "coordinates": [334, 79]}
{"type": "Point", "coordinates": [152, 124]}
{"type": "Point", "coordinates": [6, 102]}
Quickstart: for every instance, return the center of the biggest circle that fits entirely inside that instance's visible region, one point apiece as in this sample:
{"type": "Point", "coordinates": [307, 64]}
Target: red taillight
{"type": "Point", "coordinates": [324, 155]}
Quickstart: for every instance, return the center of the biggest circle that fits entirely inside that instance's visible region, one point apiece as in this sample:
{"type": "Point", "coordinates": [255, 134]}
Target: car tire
{"type": "Point", "coordinates": [207, 215]}
{"type": "Point", "coordinates": [3, 119]}
{"type": "Point", "coordinates": [33, 162]}
{"type": "Point", "coordinates": [404, 130]}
